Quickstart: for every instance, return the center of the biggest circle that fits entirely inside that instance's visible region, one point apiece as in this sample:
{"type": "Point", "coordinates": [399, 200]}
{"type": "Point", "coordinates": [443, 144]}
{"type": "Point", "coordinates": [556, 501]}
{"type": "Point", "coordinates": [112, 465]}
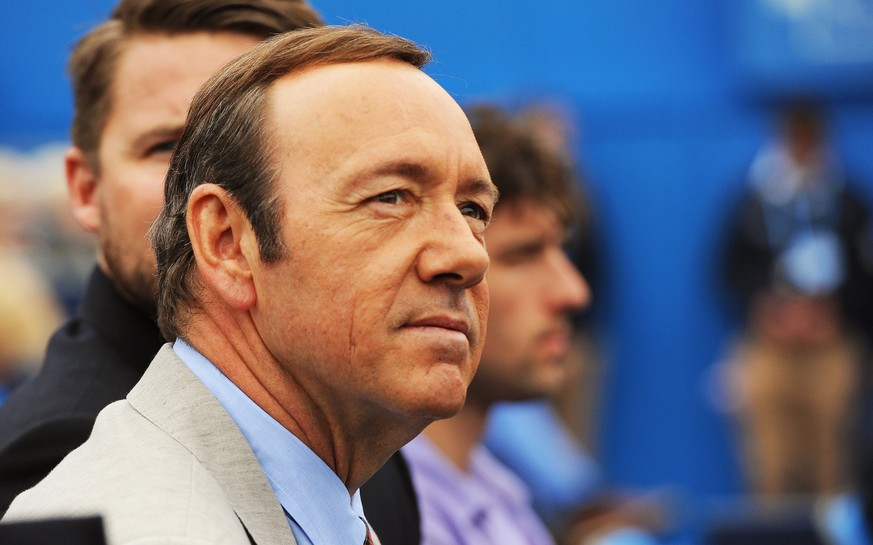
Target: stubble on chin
{"type": "Point", "coordinates": [134, 277]}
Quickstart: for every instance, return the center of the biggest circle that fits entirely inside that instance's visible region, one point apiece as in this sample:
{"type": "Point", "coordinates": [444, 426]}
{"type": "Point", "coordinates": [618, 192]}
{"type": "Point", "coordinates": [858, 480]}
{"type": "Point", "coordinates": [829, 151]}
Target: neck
{"type": "Point", "coordinates": [457, 437]}
{"type": "Point", "coordinates": [341, 434]}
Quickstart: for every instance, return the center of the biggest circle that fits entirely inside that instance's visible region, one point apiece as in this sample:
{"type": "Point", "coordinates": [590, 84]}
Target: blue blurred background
{"type": "Point", "coordinates": [670, 98]}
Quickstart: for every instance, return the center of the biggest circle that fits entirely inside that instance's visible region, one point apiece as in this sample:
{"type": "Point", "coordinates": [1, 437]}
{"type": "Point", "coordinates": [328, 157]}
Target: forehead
{"type": "Point", "coordinates": [348, 115]}
{"type": "Point", "coordinates": [522, 219]}
{"type": "Point", "coordinates": [158, 74]}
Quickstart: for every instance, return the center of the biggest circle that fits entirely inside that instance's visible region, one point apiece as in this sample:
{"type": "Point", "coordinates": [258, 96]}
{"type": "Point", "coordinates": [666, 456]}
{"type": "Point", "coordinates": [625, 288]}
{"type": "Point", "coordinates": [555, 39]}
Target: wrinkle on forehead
{"type": "Point", "coordinates": [344, 116]}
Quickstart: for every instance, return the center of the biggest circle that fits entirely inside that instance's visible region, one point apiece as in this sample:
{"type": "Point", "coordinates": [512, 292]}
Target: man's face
{"type": "Point", "coordinates": [155, 80]}
{"type": "Point", "coordinates": [533, 288]}
{"type": "Point", "coordinates": [380, 303]}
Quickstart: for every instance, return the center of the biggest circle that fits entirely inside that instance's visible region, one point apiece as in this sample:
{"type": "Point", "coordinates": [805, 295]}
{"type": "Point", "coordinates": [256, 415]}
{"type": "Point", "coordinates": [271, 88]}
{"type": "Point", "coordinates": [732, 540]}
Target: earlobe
{"type": "Point", "coordinates": [84, 189]}
{"type": "Point", "coordinates": [221, 240]}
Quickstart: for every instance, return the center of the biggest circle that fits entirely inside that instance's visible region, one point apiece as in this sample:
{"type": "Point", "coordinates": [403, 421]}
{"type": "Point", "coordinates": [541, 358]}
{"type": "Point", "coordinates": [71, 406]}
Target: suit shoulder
{"type": "Point", "coordinates": [141, 481]}
{"type": "Point", "coordinates": [29, 454]}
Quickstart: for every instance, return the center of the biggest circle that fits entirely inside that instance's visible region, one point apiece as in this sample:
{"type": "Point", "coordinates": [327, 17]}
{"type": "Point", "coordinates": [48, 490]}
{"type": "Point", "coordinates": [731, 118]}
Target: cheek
{"type": "Point", "coordinates": [509, 324]}
{"type": "Point", "coordinates": [151, 197]}
{"type": "Point", "coordinates": [351, 287]}
{"type": "Point", "coordinates": [506, 301]}
{"type": "Point", "coordinates": [349, 306]}
{"type": "Point", "coordinates": [138, 197]}
{"type": "Point", "coordinates": [306, 323]}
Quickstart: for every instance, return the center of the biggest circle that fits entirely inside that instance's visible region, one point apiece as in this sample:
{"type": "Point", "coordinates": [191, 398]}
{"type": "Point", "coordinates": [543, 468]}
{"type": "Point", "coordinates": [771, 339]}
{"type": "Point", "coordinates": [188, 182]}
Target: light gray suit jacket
{"type": "Point", "coordinates": [166, 465]}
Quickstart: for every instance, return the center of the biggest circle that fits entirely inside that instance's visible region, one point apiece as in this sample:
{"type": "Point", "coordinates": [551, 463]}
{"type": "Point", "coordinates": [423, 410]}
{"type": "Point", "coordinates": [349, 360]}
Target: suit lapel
{"type": "Point", "coordinates": [174, 400]}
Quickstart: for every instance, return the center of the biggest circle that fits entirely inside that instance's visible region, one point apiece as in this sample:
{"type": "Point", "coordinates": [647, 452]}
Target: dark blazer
{"type": "Point", "coordinates": [751, 251]}
{"type": "Point", "coordinates": [97, 358]}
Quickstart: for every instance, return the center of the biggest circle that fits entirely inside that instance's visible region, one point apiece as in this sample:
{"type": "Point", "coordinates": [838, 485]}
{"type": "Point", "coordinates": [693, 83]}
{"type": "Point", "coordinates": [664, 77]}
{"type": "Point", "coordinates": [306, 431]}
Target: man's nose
{"type": "Point", "coordinates": [569, 289]}
{"type": "Point", "coordinates": [453, 254]}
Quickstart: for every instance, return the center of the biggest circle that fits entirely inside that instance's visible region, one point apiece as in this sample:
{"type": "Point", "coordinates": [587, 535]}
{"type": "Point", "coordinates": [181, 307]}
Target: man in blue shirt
{"type": "Point", "coordinates": [320, 264]}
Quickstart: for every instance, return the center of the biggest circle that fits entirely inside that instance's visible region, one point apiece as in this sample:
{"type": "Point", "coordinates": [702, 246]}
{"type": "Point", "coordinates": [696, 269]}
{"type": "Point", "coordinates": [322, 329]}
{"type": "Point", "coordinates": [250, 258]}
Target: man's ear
{"type": "Point", "coordinates": [84, 190]}
{"type": "Point", "coordinates": [224, 245]}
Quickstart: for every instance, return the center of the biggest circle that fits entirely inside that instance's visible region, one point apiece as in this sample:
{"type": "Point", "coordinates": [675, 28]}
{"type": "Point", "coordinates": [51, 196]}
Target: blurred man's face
{"type": "Point", "coordinates": [380, 304]}
{"type": "Point", "coordinates": [534, 287]}
{"type": "Point", "coordinates": [155, 80]}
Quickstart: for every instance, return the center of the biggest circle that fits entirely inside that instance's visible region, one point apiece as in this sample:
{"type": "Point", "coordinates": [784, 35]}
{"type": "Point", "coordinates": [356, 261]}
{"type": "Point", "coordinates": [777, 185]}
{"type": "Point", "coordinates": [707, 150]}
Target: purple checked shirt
{"type": "Point", "coordinates": [489, 505]}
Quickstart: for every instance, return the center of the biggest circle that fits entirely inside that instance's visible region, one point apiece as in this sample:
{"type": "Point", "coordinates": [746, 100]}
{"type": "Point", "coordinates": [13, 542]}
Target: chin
{"type": "Point", "coordinates": [447, 405]}
{"type": "Point", "coordinates": [447, 411]}
{"type": "Point", "coordinates": [534, 389]}
{"type": "Point", "coordinates": [440, 404]}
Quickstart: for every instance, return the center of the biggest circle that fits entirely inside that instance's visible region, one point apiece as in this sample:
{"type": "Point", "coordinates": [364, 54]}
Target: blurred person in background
{"type": "Point", "coordinates": [550, 123]}
{"type": "Point", "coordinates": [133, 78]}
{"type": "Point", "coordinates": [36, 216]}
{"type": "Point", "coordinates": [29, 307]}
{"type": "Point", "coordinates": [797, 259]}
{"type": "Point", "coordinates": [29, 312]}
{"type": "Point", "coordinates": [466, 495]}
{"type": "Point", "coordinates": [563, 422]}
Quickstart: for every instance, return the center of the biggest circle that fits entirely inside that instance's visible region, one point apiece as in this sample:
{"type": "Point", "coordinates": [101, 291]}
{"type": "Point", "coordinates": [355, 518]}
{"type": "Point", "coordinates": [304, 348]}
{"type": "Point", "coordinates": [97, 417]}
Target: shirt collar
{"type": "Point", "coordinates": [315, 500]}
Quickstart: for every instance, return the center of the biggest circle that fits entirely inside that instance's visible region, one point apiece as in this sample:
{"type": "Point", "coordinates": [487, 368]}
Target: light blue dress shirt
{"type": "Point", "coordinates": [519, 433]}
{"type": "Point", "coordinates": [842, 520]}
{"type": "Point", "coordinates": [316, 502]}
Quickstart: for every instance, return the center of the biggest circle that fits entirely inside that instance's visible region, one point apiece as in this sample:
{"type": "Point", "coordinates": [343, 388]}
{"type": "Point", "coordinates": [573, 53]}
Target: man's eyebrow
{"type": "Point", "coordinates": [418, 171]}
{"type": "Point", "coordinates": [521, 249]}
{"type": "Point", "coordinates": [484, 186]}
{"type": "Point", "coordinates": [156, 134]}
{"type": "Point", "coordinates": [404, 168]}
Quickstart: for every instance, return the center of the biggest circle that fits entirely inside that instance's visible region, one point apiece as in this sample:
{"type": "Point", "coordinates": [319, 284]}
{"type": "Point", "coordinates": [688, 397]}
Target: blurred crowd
{"type": "Point", "coordinates": [45, 258]}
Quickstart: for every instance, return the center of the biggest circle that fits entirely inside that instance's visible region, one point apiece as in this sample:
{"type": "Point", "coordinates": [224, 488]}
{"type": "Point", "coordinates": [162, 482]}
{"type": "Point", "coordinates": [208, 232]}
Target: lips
{"type": "Point", "coordinates": [441, 322]}
{"type": "Point", "coordinates": [556, 341]}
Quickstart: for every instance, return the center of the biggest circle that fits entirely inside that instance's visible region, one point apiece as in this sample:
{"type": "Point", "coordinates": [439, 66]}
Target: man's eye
{"type": "Point", "coordinates": [389, 197]}
{"type": "Point", "coordinates": [474, 211]}
{"type": "Point", "coordinates": [527, 253]}
{"type": "Point", "coordinates": [163, 147]}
